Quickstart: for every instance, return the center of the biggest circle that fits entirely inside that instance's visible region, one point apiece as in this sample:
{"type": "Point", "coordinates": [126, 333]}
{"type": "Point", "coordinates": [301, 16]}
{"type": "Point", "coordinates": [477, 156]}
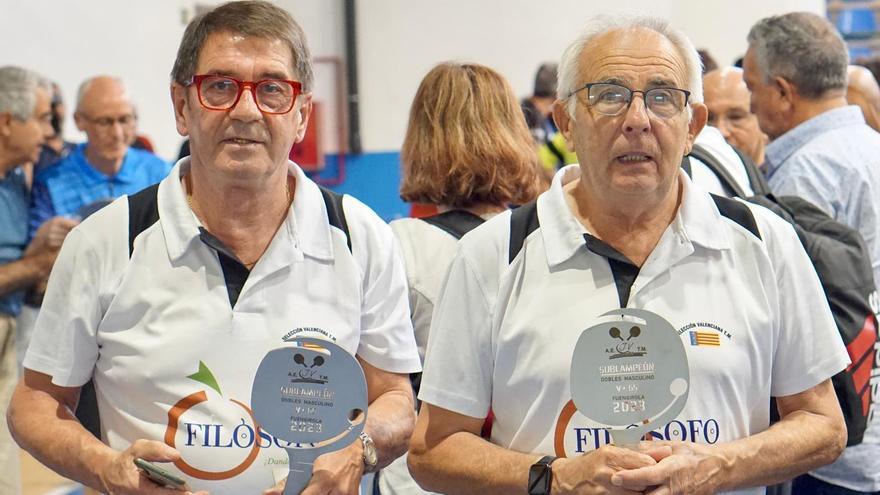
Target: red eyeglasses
{"type": "Point", "coordinates": [273, 96]}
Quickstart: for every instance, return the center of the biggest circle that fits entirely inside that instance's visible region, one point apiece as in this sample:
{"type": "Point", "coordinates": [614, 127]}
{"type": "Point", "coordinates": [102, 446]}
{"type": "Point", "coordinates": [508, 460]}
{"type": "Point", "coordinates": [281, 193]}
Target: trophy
{"type": "Point", "coordinates": [312, 394]}
{"type": "Point", "coordinates": [629, 374]}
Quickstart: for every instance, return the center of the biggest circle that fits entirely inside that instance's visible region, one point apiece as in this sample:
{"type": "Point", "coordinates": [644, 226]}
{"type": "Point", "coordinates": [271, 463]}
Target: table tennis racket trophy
{"type": "Point", "coordinates": [629, 373]}
{"type": "Point", "coordinates": [312, 394]}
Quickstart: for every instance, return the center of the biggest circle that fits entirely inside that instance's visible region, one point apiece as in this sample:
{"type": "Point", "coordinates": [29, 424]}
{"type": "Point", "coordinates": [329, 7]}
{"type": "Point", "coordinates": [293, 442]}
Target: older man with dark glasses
{"type": "Point", "coordinates": [170, 299]}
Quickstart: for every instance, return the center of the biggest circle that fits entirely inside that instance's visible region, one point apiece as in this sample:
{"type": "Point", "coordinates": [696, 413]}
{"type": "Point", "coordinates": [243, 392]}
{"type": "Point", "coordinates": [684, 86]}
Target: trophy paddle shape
{"type": "Point", "coordinates": [312, 394]}
{"type": "Point", "coordinates": [630, 374]}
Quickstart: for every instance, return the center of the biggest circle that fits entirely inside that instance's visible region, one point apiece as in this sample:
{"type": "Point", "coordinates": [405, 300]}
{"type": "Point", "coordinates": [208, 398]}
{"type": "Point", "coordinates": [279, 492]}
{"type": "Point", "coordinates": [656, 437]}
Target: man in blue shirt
{"type": "Point", "coordinates": [24, 126]}
{"type": "Point", "coordinates": [103, 168]}
{"type": "Point", "coordinates": [821, 150]}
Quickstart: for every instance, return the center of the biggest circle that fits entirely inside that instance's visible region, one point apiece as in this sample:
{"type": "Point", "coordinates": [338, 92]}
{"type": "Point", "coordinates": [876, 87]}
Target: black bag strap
{"type": "Point", "coordinates": [456, 223]}
{"type": "Point", "coordinates": [143, 211]}
{"type": "Point", "coordinates": [523, 221]}
{"type": "Point", "coordinates": [728, 182]}
{"type": "Point", "coordinates": [686, 166]}
{"type": "Point", "coordinates": [336, 213]}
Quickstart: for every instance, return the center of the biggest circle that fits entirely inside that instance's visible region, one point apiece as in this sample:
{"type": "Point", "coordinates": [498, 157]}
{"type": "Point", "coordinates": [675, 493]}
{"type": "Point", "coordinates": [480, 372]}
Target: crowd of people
{"type": "Point", "coordinates": [619, 184]}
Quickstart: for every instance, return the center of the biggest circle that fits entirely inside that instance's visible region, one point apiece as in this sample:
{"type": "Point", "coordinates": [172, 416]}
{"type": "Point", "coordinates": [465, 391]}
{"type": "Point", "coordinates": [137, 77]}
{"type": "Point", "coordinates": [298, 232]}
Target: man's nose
{"type": "Point", "coordinates": [246, 108]}
{"type": "Point", "coordinates": [636, 118]}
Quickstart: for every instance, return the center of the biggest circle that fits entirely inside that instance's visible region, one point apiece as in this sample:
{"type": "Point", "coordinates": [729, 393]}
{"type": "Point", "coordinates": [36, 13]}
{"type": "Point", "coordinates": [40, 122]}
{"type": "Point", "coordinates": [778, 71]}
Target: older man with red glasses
{"type": "Point", "coordinates": [169, 299]}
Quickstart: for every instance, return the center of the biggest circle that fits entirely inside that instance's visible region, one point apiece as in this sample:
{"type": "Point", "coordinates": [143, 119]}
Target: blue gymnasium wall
{"type": "Point", "coordinates": [373, 178]}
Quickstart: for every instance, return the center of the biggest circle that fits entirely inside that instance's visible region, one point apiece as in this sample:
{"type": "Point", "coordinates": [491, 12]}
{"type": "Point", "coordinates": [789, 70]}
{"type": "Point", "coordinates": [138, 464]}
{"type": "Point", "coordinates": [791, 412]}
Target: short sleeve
{"type": "Point", "coordinates": [459, 361]}
{"type": "Point", "coordinates": [809, 349]}
{"type": "Point", "coordinates": [64, 343]}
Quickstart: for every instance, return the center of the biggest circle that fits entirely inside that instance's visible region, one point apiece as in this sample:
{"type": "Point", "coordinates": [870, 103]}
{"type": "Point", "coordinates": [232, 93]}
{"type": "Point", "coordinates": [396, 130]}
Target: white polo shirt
{"type": "Point", "coordinates": [173, 360]}
{"type": "Point", "coordinates": [503, 334]}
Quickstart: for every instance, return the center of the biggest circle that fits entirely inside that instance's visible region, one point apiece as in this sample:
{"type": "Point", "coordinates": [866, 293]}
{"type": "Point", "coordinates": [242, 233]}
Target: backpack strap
{"type": "Point", "coordinates": [143, 211]}
{"type": "Point", "coordinates": [686, 166]}
{"type": "Point", "coordinates": [335, 212]}
{"type": "Point", "coordinates": [738, 212]}
{"type": "Point", "coordinates": [456, 223]}
{"type": "Point", "coordinates": [727, 180]}
{"type": "Point", "coordinates": [523, 221]}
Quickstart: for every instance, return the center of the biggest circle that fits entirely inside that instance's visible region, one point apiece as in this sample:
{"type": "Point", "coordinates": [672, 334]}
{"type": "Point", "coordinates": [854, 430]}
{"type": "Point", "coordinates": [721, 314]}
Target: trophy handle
{"type": "Point", "coordinates": [299, 475]}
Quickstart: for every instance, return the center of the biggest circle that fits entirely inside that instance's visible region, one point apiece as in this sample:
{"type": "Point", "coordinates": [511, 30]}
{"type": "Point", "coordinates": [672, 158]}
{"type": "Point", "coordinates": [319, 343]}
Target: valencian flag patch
{"type": "Point", "coordinates": [705, 338]}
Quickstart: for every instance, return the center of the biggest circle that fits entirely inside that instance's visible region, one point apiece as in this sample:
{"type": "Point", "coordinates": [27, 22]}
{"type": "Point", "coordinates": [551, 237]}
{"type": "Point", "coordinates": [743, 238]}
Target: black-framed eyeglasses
{"type": "Point", "coordinates": [612, 99]}
{"type": "Point", "coordinates": [273, 96]}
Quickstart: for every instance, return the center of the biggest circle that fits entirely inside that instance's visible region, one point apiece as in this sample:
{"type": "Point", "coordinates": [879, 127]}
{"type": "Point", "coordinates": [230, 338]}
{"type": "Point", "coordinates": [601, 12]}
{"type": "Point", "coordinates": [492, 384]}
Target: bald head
{"type": "Point", "coordinates": [862, 90]}
{"type": "Point", "coordinates": [728, 101]}
{"type": "Point", "coordinates": [105, 113]}
{"type": "Point", "coordinates": [98, 88]}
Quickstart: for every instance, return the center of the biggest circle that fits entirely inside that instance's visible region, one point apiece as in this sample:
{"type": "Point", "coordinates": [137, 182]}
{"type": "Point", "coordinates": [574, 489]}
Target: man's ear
{"type": "Point", "coordinates": [79, 120]}
{"type": "Point", "coordinates": [563, 122]}
{"type": "Point", "coordinates": [5, 124]}
{"type": "Point", "coordinates": [699, 116]}
{"type": "Point", "coordinates": [178, 101]}
{"type": "Point", "coordinates": [305, 111]}
{"type": "Point", "coordinates": [786, 91]}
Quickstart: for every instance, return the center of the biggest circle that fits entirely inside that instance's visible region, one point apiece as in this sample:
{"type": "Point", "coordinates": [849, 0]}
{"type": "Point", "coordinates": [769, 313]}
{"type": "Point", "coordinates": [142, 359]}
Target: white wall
{"type": "Point", "coordinates": [399, 41]}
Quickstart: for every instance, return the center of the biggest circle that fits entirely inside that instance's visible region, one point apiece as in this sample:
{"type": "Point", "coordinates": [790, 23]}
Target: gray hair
{"type": "Point", "coordinates": [251, 18]}
{"type": "Point", "coordinates": [18, 91]}
{"type": "Point", "coordinates": [803, 48]}
{"type": "Point", "coordinates": [569, 65]}
{"type": "Point", "coordinates": [87, 84]}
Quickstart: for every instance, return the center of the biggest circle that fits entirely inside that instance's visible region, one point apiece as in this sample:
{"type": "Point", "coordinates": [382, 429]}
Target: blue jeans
{"type": "Point", "coordinates": [808, 485]}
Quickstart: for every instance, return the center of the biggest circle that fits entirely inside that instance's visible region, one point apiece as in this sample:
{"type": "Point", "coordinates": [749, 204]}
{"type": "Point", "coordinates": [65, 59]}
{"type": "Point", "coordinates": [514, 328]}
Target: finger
{"type": "Point", "coordinates": [278, 489]}
{"type": "Point", "coordinates": [659, 490]}
{"type": "Point", "coordinates": [621, 458]}
{"type": "Point", "coordinates": [639, 479]}
{"type": "Point", "coordinates": [658, 453]}
{"type": "Point", "coordinates": [151, 450]}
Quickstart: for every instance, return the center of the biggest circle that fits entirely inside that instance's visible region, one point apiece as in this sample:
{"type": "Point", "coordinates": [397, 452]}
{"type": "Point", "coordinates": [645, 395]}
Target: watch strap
{"type": "Point", "coordinates": [541, 476]}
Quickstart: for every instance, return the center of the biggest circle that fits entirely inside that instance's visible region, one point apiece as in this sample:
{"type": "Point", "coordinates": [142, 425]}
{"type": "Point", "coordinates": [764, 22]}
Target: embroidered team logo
{"type": "Point", "coordinates": [705, 334]}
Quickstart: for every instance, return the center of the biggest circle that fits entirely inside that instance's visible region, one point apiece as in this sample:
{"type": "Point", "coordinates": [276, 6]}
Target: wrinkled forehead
{"type": "Point", "coordinates": [635, 57]}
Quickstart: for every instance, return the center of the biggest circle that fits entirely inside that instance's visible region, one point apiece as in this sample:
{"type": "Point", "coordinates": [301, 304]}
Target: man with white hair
{"type": "Point", "coordinates": [823, 151]}
{"type": "Point", "coordinates": [24, 126]}
{"type": "Point", "coordinates": [101, 169]}
{"type": "Point", "coordinates": [627, 229]}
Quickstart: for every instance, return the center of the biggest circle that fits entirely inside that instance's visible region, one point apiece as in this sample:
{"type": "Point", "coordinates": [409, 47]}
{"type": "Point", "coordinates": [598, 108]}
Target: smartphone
{"type": "Point", "coordinates": [160, 476]}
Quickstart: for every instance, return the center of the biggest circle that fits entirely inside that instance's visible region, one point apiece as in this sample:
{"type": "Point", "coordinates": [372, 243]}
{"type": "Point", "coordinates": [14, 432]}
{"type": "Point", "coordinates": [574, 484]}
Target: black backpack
{"type": "Point", "coordinates": [843, 264]}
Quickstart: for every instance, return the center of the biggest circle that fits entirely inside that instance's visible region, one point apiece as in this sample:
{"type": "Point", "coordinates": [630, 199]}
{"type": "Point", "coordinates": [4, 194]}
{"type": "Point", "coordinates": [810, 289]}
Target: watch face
{"type": "Point", "coordinates": [540, 477]}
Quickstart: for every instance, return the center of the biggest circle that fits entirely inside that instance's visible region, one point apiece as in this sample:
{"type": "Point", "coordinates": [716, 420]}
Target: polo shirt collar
{"type": "Point", "coordinates": [781, 148]}
{"type": "Point", "coordinates": [305, 230]}
{"type": "Point", "coordinates": [91, 174]}
{"type": "Point", "coordinates": [696, 221]}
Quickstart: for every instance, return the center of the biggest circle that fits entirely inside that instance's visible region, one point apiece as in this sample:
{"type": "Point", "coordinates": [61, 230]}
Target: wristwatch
{"type": "Point", "coordinates": [541, 476]}
{"type": "Point", "coordinates": [370, 457]}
